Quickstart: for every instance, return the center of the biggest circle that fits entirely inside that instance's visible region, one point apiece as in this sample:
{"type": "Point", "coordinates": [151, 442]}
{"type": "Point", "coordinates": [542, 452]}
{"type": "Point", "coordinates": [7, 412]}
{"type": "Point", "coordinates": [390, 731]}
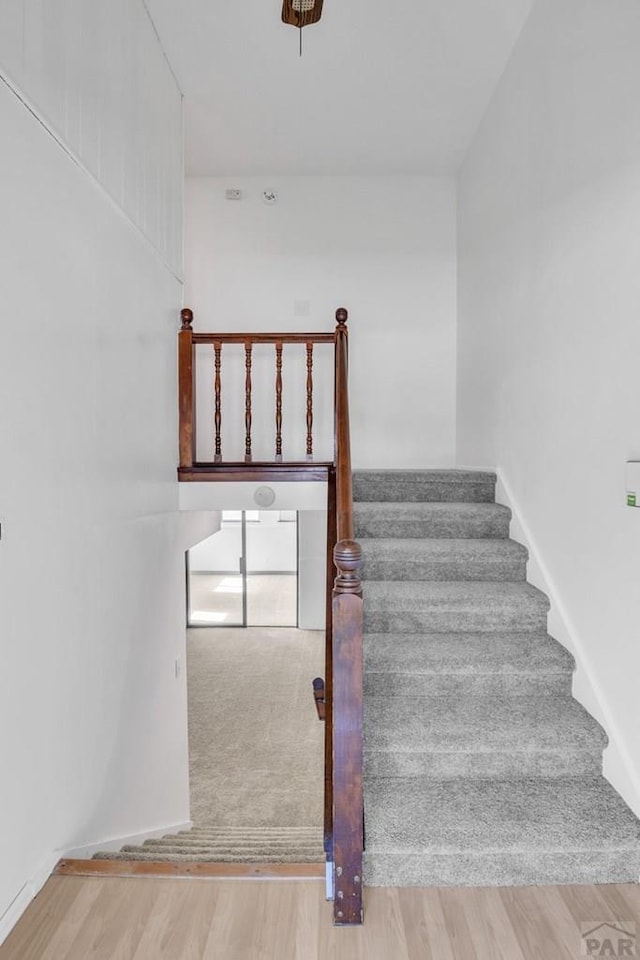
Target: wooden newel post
{"type": "Point", "coordinates": [347, 733]}
{"type": "Point", "coordinates": [186, 391]}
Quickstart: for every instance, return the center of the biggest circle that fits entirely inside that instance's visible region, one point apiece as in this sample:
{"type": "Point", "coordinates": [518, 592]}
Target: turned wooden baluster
{"type": "Point", "coordinates": [278, 401]}
{"type": "Point", "coordinates": [309, 401]}
{"type": "Point", "coordinates": [217, 419]}
{"type": "Point", "coordinates": [247, 401]}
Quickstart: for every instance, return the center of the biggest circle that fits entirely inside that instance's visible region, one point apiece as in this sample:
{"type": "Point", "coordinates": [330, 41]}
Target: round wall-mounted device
{"type": "Point", "coordinates": [264, 497]}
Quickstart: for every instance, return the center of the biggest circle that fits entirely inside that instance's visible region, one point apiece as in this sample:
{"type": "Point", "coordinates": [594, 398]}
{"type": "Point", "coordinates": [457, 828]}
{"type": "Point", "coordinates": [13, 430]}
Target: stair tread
{"type": "Point", "coordinates": [267, 832]}
{"type": "Point", "coordinates": [443, 559]}
{"type": "Point", "coordinates": [469, 520]}
{"type": "Point", "coordinates": [419, 509]}
{"type": "Point", "coordinates": [210, 857]}
{"type": "Point", "coordinates": [194, 844]}
{"type": "Point", "coordinates": [479, 725]}
{"type": "Point", "coordinates": [415, 594]}
{"type": "Point", "coordinates": [464, 653]}
{"type": "Point", "coordinates": [403, 475]}
{"type": "Point", "coordinates": [441, 548]}
{"type": "Point", "coordinates": [453, 815]}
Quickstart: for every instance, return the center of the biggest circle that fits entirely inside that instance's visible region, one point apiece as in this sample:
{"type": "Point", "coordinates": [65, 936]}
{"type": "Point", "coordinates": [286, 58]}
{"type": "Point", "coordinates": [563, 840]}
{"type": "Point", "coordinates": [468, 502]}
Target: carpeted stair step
{"type": "Point", "coordinates": [481, 737]}
{"type": "Point", "coordinates": [256, 850]}
{"type": "Point", "coordinates": [275, 834]}
{"type": "Point", "coordinates": [462, 486]}
{"type": "Point", "coordinates": [466, 664]}
{"type": "Point", "coordinates": [151, 855]}
{"type": "Point", "coordinates": [434, 520]}
{"type": "Point", "coordinates": [498, 832]}
{"type": "Point", "coordinates": [452, 607]}
{"type": "Point", "coordinates": [222, 843]}
{"type": "Point", "coordinates": [443, 559]}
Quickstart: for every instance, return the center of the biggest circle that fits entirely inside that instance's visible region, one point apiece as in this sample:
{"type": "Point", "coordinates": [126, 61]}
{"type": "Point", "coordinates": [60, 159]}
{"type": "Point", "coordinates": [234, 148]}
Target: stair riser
{"type": "Point", "coordinates": [462, 528]}
{"type": "Point", "coordinates": [496, 685]}
{"type": "Point", "coordinates": [454, 569]}
{"type": "Point", "coordinates": [501, 869]}
{"type": "Point", "coordinates": [452, 621]}
{"type": "Point", "coordinates": [501, 765]}
{"type": "Point", "coordinates": [369, 490]}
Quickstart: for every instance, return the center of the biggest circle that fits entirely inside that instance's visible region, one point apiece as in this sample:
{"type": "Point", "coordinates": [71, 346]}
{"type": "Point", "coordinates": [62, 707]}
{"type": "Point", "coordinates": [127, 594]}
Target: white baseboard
{"type": "Point", "coordinates": [26, 894]}
{"type": "Point", "coordinates": [34, 885]}
{"type": "Point", "coordinates": [618, 766]}
{"type": "Point", "coordinates": [15, 910]}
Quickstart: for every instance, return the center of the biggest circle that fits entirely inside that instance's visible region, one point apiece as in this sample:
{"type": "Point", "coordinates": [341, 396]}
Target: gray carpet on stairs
{"type": "Point", "coordinates": [480, 768]}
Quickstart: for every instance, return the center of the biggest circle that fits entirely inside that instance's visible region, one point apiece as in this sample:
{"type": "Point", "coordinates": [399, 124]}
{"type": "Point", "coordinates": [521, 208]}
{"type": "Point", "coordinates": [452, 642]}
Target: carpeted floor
{"type": "Point", "coordinates": [256, 745]}
{"type": "Point", "coordinates": [256, 750]}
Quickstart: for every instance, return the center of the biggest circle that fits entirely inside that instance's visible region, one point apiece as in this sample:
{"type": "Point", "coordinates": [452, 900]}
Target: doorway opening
{"type": "Point", "coordinates": [246, 574]}
{"type": "Point", "coordinates": [256, 748]}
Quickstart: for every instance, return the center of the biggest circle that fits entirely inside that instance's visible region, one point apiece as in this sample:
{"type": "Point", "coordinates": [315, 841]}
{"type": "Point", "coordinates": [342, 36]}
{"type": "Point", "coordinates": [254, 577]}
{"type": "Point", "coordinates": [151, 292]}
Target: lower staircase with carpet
{"type": "Point", "coordinates": [228, 845]}
{"type": "Point", "coordinates": [480, 767]}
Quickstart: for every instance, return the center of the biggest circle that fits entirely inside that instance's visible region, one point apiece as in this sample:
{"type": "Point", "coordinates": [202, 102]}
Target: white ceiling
{"type": "Point", "coordinates": [383, 86]}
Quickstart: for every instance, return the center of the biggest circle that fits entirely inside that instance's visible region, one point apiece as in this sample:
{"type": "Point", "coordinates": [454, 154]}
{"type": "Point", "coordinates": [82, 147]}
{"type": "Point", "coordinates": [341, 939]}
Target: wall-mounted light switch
{"type": "Point", "coordinates": [633, 483]}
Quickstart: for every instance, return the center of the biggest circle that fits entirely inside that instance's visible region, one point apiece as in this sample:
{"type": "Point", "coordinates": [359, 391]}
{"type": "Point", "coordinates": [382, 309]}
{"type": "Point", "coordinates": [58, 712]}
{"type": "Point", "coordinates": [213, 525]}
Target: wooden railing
{"type": "Point", "coordinates": [342, 696]}
{"type": "Point", "coordinates": [193, 469]}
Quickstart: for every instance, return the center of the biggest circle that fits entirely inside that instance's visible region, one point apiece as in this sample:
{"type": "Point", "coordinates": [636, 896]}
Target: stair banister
{"type": "Point", "coordinates": [345, 696]}
{"type": "Point", "coordinates": [186, 391]}
{"type": "Point", "coordinates": [343, 812]}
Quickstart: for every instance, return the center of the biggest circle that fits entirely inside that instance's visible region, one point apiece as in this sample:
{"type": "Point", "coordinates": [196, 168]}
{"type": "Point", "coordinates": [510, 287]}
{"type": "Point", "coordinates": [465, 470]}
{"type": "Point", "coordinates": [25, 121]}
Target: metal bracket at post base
{"type": "Point", "coordinates": [328, 880]}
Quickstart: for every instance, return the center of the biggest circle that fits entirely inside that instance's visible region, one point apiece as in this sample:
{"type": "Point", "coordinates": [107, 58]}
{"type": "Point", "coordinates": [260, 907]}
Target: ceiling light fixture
{"type": "Point", "coordinates": [301, 13]}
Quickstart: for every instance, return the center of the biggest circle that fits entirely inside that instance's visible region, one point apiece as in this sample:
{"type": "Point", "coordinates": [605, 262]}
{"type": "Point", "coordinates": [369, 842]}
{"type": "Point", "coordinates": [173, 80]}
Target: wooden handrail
{"type": "Point", "coordinates": [347, 674]}
{"type": "Point", "coordinates": [302, 338]}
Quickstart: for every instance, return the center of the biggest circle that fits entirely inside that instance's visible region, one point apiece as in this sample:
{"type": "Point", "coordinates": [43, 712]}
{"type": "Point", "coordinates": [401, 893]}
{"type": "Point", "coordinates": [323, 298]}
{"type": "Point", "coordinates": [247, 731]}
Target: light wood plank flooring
{"type": "Point", "coordinates": [78, 918]}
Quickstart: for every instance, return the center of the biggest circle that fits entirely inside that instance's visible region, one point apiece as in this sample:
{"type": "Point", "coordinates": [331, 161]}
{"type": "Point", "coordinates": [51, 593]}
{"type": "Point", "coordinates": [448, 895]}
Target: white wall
{"type": "Point", "coordinates": [549, 337]}
{"type": "Point", "coordinates": [384, 247]}
{"type": "Point", "coordinates": [93, 738]}
{"type": "Point", "coordinates": [312, 569]}
{"type": "Point", "coordinates": [271, 547]}
{"type": "Point", "coordinates": [97, 75]}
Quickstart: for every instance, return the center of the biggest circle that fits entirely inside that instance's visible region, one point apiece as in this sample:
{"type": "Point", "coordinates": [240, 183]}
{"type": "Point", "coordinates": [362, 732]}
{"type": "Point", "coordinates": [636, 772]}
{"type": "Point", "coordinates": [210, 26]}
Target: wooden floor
{"type": "Point", "coordinates": [78, 918]}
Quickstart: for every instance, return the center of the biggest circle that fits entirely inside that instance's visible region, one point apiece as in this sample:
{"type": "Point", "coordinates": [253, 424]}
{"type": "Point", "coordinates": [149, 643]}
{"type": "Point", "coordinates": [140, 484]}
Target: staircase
{"type": "Point", "coordinates": [208, 844]}
{"type": "Point", "coordinates": [480, 767]}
